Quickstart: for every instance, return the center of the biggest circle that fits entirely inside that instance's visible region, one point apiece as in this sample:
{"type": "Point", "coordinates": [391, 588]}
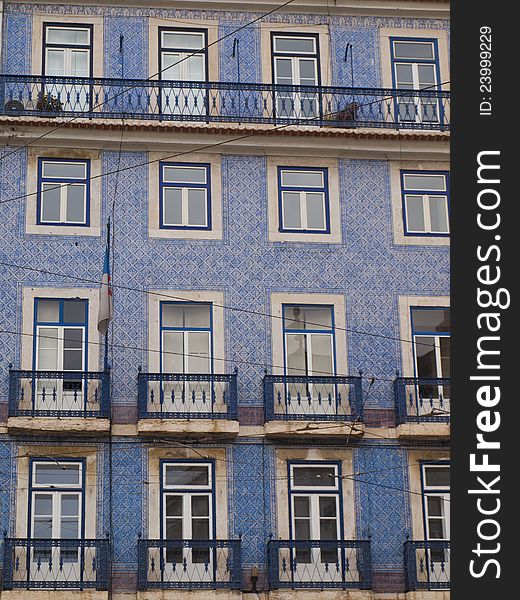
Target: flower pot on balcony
{"type": "Point", "coordinates": [346, 117]}
{"type": "Point", "coordinates": [48, 103]}
{"type": "Point", "coordinates": [14, 106]}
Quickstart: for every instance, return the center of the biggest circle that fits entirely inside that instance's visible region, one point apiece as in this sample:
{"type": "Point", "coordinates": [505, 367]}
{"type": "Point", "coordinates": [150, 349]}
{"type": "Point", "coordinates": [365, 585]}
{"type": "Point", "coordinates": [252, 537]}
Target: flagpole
{"type": "Point", "coordinates": [106, 334]}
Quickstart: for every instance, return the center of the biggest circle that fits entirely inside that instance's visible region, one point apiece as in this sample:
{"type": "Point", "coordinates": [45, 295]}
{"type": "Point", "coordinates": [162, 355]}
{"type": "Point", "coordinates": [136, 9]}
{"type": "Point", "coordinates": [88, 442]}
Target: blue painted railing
{"type": "Point", "coordinates": [319, 564]}
{"type": "Point", "coordinates": [294, 397]}
{"type": "Point", "coordinates": [59, 393]}
{"type": "Point", "coordinates": [421, 399]}
{"type": "Point", "coordinates": [174, 396]}
{"type": "Point", "coordinates": [190, 564]}
{"type": "Point", "coordinates": [427, 565]}
{"type": "Point", "coordinates": [33, 95]}
{"type": "Point", "coordinates": [55, 564]}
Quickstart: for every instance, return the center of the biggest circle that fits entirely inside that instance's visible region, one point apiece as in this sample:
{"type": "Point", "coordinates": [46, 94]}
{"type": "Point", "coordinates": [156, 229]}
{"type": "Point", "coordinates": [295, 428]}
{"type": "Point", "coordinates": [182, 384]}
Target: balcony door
{"type": "Point", "coordinates": [436, 503]}
{"type": "Point", "coordinates": [67, 52]}
{"type": "Point", "coordinates": [55, 514]}
{"type": "Point", "coordinates": [60, 346]}
{"type": "Point", "coordinates": [295, 63]}
{"type": "Point", "coordinates": [188, 521]}
{"type": "Point", "coordinates": [415, 64]}
{"type": "Point", "coordinates": [315, 509]}
{"type": "Point", "coordinates": [431, 343]}
{"type": "Point", "coordinates": [309, 352]}
{"type": "Point", "coordinates": [183, 57]}
{"type": "Point", "coordinates": [186, 350]}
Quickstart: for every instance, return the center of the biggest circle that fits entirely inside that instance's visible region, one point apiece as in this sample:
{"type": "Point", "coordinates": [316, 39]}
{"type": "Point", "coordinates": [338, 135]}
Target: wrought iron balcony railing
{"type": "Point", "coordinates": [191, 564]}
{"type": "Point", "coordinates": [421, 399]}
{"type": "Point", "coordinates": [174, 396]}
{"type": "Point", "coordinates": [55, 564]}
{"type": "Point", "coordinates": [320, 564]}
{"type": "Point", "coordinates": [223, 102]}
{"type": "Point", "coordinates": [59, 394]}
{"type": "Point", "coordinates": [427, 565]}
{"type": "Point", "coordinates": [312, 398]}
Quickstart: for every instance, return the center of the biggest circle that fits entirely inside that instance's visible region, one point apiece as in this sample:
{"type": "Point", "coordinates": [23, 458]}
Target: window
{"type": "Point", "coordinates": [67, 52]}
{"type": "Point", "coordinates": [416, 67]}
{"type": "Point", "coordinates": [60, 344]}
{"type": "Point", "coordinates": [295, 59]}
{"type": "Point", "coordinates": [185, 196]}
{"type": "Point", "coordinates": [435, 478]}
{"type": "Point", "coordinates": [315, 507]}
{"type": "Point", "coordinates": [55, 512]}
{"type": "Point", "coordinates": [188, 514]}
{"type": "Point", "coordinates": [63, 192]}
{"type": "Point", "coordinates": [425, 202]}
{"type": "Point", "coordinates": [183, 57]}
{"type": "Point", "coordinates": [431, 345]}
{"type": "Point", "coordinates": [303, 200]}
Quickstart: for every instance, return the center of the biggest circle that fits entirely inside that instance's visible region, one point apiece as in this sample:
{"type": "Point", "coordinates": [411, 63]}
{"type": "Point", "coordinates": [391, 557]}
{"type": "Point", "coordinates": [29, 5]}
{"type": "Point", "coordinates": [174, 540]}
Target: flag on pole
{"type": "Point", "coordinates": [106, 308]}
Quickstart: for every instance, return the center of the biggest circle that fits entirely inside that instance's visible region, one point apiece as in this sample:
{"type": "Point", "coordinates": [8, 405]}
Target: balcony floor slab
{"type": "Point", "coordinates": [57, 425]}
{"type": "Point", "coordinates": [337, 429]}
{"type": "Point", "coordinates": [202, 427]}
{"type": "Point", "coordinates": [425, 431]}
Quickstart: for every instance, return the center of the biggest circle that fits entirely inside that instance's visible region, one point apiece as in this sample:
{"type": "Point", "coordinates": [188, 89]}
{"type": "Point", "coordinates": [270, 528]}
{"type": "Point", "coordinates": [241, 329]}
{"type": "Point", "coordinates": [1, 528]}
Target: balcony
{"type": "Point", "coordinates": [190, 564]}
{"type": "Point", "coordinates": [320, 564]}
{"type": "Point", "coordinates": [187, 404]}
{"type": "Point", "coordinates": [312, 405]}
{"type": "Point", "coordinates": [59, 401]}
{"type": "Point", "coordinates": [427, 565]}
{"type": "Point", "coordinates": [422, 407]}
{"type": "Point", "coordinates": [55, 564]}
{"type": "Point", "coordinates": [222, 102]}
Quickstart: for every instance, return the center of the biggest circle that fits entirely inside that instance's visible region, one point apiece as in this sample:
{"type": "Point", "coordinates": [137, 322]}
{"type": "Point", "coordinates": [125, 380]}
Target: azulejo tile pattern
{"type": "Point", "coordinates": [126, 47]}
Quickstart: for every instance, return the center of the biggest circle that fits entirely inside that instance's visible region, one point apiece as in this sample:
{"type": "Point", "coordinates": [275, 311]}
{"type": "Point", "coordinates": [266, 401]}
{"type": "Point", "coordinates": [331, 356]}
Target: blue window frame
{"type": "Point", "coordinates": [303, 200]}
{"type": "Point", "coordinates": [415, 66]}
{"type": "Point", "coordinates": [188, 512]}
{"type": "Point", "coordinates": [56, 505]}
{"type": "Point", "coordinates": [63, 192]}
{"type": "Point", "coordinates": [435, 488]}
{"type": "Point", "coordinates": [315, 508]}
{"type": "Point", "coordinates": [185, 196]}
{"type": "Point", "coordinates": [426, 203]}
{"type": "Point", "coordinates": [186, 337]}
{"type": "Point", "coordinates": [309, 340]}
{"type": "Point", "coordinates": [432, 352]}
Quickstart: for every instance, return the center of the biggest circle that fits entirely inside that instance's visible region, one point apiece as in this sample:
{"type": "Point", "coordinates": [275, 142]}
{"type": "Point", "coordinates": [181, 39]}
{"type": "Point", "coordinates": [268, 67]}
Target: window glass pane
{"type": "Point", "coordinates": [200, 506]}
{"type": "Point", "coordinates": [55, 62]}
{"type": "Point", "coordinates": [307, 71]}
{"type": "Point", "coordinates": [69, 529]}
{"type": "Point", "coordinates": [72, 339]}
{"type": "Point", "coordinates": [297, 360]}
{"type": "Point", "coordinates": [50, 209]}
{"type": "Point", "coordinates": [174, 530]}
{"type": "Point", "coordinates": [427, 183]}
{"type": "Point", "coordinates": [327, 507]}
{"type": "Point", "coordinates": [435, 506]}
{"type": "Point", "coordinates": [328, 529]}
{"type": "Point", "coordinates": [171, 68]}
{"type": "Point", "coordinates": [184, 174]}
{"type": "Point", "coordinates": [62, 474]}
{"type": "Point", "coordinates": [173, 352]}
{"type": "Point", "coordinates": [75, 203]}
{"type": "Point", "coordinates": [445, 355]}
{"type": "Point", "coordinates": [197, 315]}
{"type": "Point", "coordinates": [404, 76]}
{"type": "Point", "coordinates": [437, 476]}
{"type": "Point", "coordinates": [426, 357]}
{"type": "Point", "coordinates": [42, 528]}
{"type": "Point", "coordinates": [64, 170]}
{"type": "Point", "coordinates": [415, 213]}
{"type": "Point", "coordinates": [315, 211]}
{"type": "Point", "coordinates": [173, 506]}
{"type": "Point", "coordinates": [79, 63]}
{"type": "Point", "coordinates": [47, 348]}
{"type": "Point", "coordinates": [172, 206]}
{"type": "Point", "coordinates": [187, 475]}
{"type": "Point", "coordinates": [321, 345]}
{"type": "Point", "coordinates": [426, 75]}
{"type": "Point", "coordinates": [307, 317]}
{"type": "Point", "coordinates": [48, 311]}
{"type": "Point", "coordinates": [183, 40]}
{"type": "Point", "coordinates": [295, 44]}
{"type": "Point", "coordinates": [197, 207]}
{"type": "Point", "coordinates": [200, 529]}
{"type": "Point", "coordinates": [42, 504]}
{"type": "Point", "coordinates": [302, 529]}
{"type": "Point", "coordinates": [283, 71]}
{"type": "Point", "coordinates": [302, 178]}
{"type": "Point", "coordinates": [62, 35]}
{"type": "Point", "coordinates": [314, 476]}
{"type": "Point", "coordinates": [439, 214]}
{"type": "Point", "coordinates": [194, 69]}
{"type": "Point", "coordinates": [74, 311]}
{"type": "Point", "coordinates": [70, 505]}
{"type": "Point", "coordinates": [291, 210]}
{"type": "Point", "coordinates": [301, 506]}
{"type": "Point", "coordinates": [414, 50]}
{"type": "Point", "coordinates": [436, 529]}
{"type": "Point", "coordinates": [431, 320]}
{"type": "Point", "coordinates": [198, 352]}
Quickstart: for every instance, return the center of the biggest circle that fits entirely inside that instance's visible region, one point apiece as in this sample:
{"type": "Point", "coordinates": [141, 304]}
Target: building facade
{"type": "Point", "coordinates": [268, 415]}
